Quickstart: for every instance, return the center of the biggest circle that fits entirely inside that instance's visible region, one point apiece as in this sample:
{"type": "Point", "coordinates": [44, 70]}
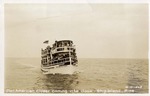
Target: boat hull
{"type": "Point", "coordinates": [67, 69]}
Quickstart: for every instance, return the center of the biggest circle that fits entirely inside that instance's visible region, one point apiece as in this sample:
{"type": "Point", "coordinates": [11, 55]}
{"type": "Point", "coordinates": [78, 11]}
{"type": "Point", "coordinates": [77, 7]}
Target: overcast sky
{"type": "Point", "coordinates": [97, 30]}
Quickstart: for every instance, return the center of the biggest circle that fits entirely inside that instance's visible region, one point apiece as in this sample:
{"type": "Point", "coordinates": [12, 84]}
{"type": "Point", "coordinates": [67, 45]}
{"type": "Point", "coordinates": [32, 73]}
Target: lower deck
{"type": "Point", "coordinates": [61, 62]}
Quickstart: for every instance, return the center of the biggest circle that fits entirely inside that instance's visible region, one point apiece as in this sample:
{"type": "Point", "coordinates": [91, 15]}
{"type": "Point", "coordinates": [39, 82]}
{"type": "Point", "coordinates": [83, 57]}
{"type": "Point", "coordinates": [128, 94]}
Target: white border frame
{"type": "Point", "coordinates": [2, 2]}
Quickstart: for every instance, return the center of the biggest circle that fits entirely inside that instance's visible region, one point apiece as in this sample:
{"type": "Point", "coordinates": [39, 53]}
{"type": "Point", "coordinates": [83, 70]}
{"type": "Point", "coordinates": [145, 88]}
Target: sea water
{"type": "Point", "coordinates": [23, 75]}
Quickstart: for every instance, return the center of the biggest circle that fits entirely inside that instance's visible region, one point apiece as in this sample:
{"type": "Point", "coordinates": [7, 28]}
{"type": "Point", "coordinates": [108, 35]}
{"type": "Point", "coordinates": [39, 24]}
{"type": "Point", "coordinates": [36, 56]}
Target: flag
{"type": "Point", "coordinates": [46, 42]}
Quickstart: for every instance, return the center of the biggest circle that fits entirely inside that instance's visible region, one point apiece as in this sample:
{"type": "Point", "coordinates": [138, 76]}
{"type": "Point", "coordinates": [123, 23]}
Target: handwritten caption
{"type": "Point", "coordinates": [128, 89]}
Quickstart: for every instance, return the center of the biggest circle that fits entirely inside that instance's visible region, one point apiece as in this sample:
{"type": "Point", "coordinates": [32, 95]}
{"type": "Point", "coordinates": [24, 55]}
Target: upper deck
{"type": "Point", "coordinates": [63, 46]}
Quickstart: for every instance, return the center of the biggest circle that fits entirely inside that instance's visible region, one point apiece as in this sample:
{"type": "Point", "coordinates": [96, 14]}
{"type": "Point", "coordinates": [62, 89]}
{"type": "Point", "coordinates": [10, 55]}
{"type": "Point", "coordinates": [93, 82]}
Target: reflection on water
{"type": "Point", "coordinates": [57, 82]}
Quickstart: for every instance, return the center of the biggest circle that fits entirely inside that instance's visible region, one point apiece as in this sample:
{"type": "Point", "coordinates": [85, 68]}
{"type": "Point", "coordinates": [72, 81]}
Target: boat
{"type": "Point", "coordinates": [61, 58]}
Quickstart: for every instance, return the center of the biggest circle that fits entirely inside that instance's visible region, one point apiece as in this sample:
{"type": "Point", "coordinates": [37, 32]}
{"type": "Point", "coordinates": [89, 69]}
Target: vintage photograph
{"type": "Point", "coordinates": [76, 48]}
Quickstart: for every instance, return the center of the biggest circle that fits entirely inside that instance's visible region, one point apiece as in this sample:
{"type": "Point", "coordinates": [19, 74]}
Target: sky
{"type": "Point", "coordinates": [97, 30]}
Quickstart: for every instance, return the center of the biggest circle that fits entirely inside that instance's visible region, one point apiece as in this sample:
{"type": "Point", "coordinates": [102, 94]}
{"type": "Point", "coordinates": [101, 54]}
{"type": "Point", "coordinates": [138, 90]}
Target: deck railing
{"type": "Point", "coordinates": [63, 49]}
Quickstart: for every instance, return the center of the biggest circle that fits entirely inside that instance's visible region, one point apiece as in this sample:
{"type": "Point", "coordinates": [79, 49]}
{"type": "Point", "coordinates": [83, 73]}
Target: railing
{"type": "Point", "coordinates": [63, 49]}
{"type": "Point", "coordinates": [60, 61]}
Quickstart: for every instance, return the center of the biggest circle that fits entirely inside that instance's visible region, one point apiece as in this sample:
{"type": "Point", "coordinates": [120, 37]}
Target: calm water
{"type": "Point", "coordinates": [95, 76]}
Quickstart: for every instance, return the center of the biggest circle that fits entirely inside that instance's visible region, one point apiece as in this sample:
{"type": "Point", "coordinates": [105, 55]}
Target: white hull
{"type": "Point", "coordinates": [67, 69]}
